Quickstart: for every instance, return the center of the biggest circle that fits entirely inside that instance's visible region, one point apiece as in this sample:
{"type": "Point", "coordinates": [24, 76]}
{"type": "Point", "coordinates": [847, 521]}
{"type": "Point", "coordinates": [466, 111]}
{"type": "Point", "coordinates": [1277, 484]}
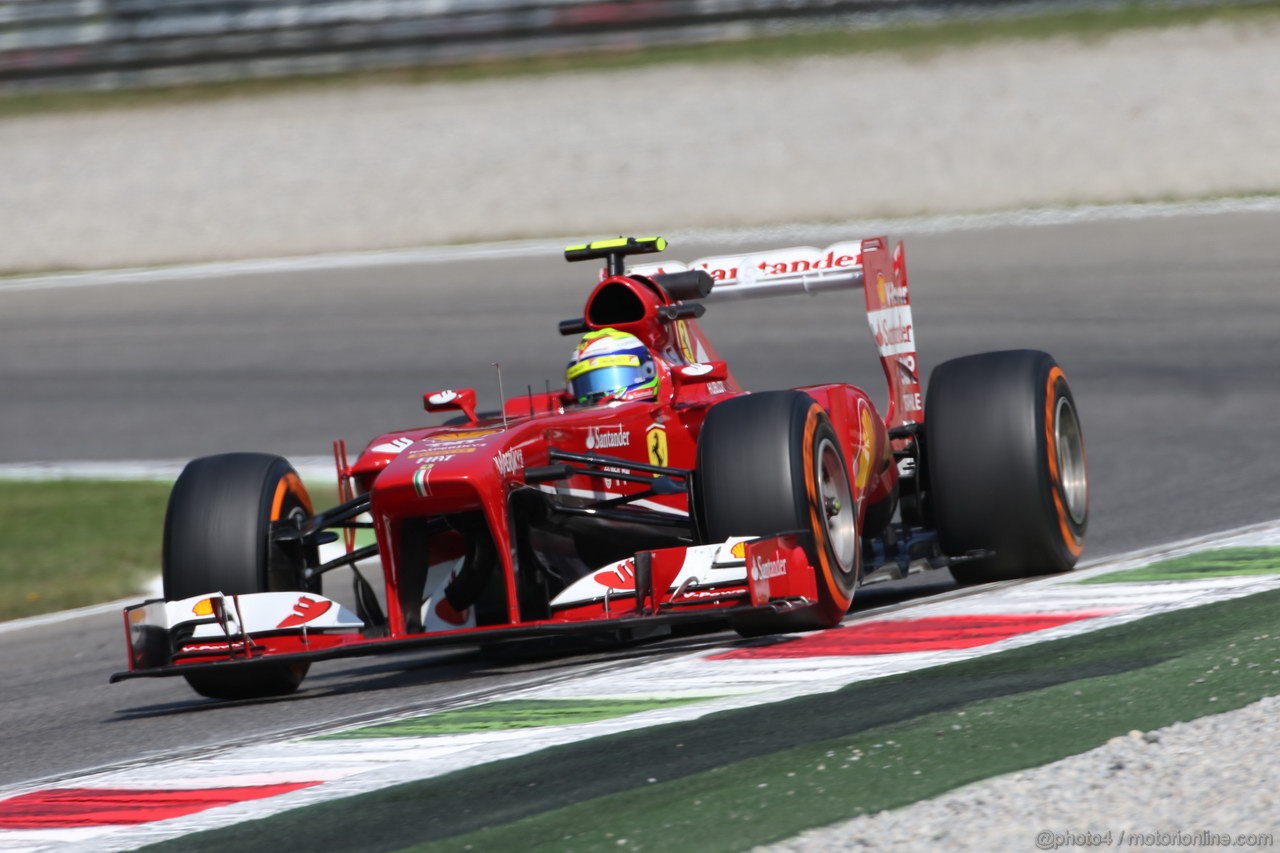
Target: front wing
{"type": "Point", "coordinates": [738, 578]}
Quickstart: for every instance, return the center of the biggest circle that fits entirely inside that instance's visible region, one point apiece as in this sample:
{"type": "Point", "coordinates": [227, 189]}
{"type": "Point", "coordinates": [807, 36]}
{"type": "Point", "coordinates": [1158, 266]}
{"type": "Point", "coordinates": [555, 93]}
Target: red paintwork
{"type": "Point", "coordinates": [203, 651]}
{"type": "Point", "coordinates": [898, 636]}
{"type": "Point", "coordinates": [68, 808]}
{"type": "Point", "coordinates": [475, 466]}
{"type": "Point", "coordinates": [778, 568]}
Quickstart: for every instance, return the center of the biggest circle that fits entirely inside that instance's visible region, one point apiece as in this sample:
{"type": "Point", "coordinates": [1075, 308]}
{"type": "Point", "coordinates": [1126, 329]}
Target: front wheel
{"type": "Point", "coordinates": [1006, 465]}
{"type": "Point", "coordinates": [217, 538]}
{"type": "Point", "coordinates": [771, 463]}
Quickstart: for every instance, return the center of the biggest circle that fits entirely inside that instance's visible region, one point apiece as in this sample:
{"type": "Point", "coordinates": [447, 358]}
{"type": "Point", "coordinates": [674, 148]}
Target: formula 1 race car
{"type": "Point", "coordinates": [650, 492]}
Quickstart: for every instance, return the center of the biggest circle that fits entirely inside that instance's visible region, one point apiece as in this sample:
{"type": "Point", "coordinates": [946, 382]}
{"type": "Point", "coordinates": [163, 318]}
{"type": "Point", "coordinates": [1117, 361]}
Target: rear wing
{"type": "Point", "coordinates": [865, 264]}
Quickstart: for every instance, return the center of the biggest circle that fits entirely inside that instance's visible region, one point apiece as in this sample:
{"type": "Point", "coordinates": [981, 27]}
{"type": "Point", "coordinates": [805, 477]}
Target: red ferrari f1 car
{"type": "Point", "coordinates": [652, 490]}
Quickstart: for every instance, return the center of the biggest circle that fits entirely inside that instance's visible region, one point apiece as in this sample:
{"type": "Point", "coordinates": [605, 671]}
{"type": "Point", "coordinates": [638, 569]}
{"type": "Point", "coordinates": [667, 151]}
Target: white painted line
{"type": "Point", "coordinates": [1266, 531]}
{"type": "Point", "coordinates": [1039, 217]}
{"type": "Point", "coordinates": [334, 261]}
{"type": "Point", "coordinates": [1026, 218]}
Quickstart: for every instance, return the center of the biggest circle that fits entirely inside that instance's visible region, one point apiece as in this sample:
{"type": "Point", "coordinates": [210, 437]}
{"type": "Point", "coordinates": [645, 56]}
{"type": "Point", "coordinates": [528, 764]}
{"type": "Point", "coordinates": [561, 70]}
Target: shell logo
{"type": "Point", "coordinates": [739, 550]}
{"type": "Point", "coordinates": [686, 345]}
{"type": "Point", "coordinates": [204, 607]}
{"type": "Point", "coordinates": [866, 446]}
{"type": "Point", "coordinates": [463, 436]}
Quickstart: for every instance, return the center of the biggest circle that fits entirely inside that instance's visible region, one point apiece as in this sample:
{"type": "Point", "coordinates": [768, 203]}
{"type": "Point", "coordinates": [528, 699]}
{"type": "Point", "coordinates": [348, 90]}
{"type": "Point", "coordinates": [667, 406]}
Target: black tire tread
{"type": "Point", "coordinates": [215, 540]}
{"type": "Point", "coordinates": [749, 481]}
{"type": "Point", "coordinates": [989, 485]}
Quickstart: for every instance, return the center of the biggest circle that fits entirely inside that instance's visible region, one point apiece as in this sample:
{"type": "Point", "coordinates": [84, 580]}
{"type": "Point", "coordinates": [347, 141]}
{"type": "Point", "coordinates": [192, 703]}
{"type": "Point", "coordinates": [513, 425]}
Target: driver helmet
{"type": "Point", "coordinates": [611, 366]}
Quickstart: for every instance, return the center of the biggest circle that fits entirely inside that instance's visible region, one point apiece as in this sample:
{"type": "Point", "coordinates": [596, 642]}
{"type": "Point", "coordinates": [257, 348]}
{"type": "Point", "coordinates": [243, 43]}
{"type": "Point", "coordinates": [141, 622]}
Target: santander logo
{"type": "Point", "coordinates": [606, 437]}
{"type": "Point", "coordinates": [620, 577]}
{"type": "Point", "coordinates": [396, 445]}
{"type": "Point", "coordinates": [304, 610]}
{"type": "Point", "coordinates": [764, 569]}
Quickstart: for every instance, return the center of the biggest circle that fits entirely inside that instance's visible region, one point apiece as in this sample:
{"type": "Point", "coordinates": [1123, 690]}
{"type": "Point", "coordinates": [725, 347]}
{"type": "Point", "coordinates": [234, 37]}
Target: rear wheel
{"type": "Point", "coordinates": [771, 463]}
{"type": "Point", "coordinates": [1006, 465]}
{"type": "Point", "coordinates": [217, 539]}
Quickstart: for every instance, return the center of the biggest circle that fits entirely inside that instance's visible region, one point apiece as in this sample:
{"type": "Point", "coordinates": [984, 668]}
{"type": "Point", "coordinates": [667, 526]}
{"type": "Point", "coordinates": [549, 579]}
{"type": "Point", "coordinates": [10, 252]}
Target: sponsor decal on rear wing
{"type": "Point", "coordinates": [801, 269]}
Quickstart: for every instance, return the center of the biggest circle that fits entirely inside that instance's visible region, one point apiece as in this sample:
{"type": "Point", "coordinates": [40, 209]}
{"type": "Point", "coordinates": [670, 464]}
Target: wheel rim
{"type": "Point", "coordinates": [1072, 479]}
{"type": "Point", "coordinates": [836, 502]}
{"type": "Point", "coordinates": [284, 573]}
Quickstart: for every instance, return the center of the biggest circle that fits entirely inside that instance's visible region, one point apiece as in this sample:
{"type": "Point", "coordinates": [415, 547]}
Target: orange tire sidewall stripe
{"type": "Point", "coordinates": [1069, 539]}
{"type": "Point", "coordinates": [290, 482]}
{"type": "Point", "coordinates": [818, 524]}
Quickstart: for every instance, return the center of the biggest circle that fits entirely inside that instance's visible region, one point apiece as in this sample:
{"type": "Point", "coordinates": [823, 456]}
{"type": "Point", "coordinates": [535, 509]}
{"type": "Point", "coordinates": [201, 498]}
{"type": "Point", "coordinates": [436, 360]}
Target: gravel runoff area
{"type": "Point", "coordinates": [1179, 113]}
{"type": "Point", "coordinates": [1172, 789]}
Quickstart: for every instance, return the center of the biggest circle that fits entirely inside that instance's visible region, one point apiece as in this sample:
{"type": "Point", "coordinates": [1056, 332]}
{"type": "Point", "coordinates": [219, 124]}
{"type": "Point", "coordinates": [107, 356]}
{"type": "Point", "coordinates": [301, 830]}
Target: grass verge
{"type": "Point", "coordinates": [732, 780]}
{"type": "Point", "coordinates": [913, 40]}
{"type": "Point", "coordinates": [508, 715]}
{"type": "Point", "coordinates": [71, 543]}
{"type": "Point", "coordinates": [1223, 562]}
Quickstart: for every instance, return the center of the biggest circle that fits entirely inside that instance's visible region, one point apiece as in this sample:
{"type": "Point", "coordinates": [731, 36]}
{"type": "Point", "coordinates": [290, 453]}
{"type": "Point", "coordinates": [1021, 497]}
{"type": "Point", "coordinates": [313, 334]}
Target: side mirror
{"type": "Point", "coordinates": [700, 373]}
{"type": "Point", "coordinates": [461, 400]}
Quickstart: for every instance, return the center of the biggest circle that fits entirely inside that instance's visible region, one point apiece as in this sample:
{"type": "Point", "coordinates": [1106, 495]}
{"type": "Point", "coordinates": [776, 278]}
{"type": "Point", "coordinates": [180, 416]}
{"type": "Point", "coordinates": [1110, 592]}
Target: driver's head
{"type": "Point", "coordinates": [610, 366]}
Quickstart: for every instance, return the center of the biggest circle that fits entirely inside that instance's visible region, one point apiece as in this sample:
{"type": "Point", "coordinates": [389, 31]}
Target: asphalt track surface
{"type": "Point", "coordinates": [1167, 329]}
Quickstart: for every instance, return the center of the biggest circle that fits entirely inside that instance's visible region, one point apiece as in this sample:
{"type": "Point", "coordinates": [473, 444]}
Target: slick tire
{"type": "Point", "coordinates": [1006, 465]}
{"type": "Point", "coordinates": [217, 539]}
{"type": "Point", "coordinates": [771, 463]}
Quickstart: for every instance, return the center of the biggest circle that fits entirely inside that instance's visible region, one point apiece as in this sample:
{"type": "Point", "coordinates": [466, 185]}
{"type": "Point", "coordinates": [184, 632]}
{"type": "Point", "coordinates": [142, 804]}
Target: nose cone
{"type": "Point", "coordinates": [451, 470]}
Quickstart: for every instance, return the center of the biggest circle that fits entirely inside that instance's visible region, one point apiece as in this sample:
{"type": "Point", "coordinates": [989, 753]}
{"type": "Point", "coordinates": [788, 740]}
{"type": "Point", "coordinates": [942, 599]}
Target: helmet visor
{"type": "Point", "coordinates": [608, 374]}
